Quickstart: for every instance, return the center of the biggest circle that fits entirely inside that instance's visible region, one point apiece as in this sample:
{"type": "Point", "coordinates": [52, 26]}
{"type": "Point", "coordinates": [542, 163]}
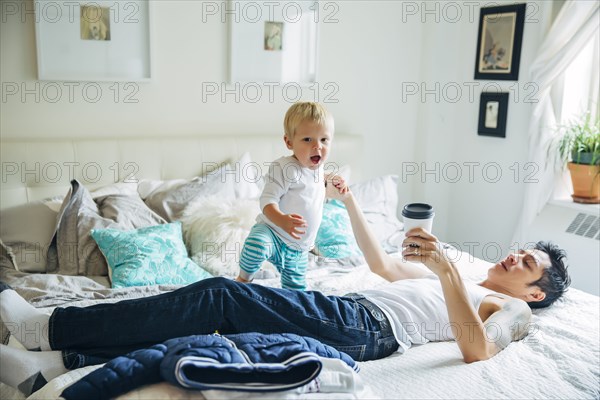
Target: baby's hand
{"type": "Point", "coordinates": [291, 224]}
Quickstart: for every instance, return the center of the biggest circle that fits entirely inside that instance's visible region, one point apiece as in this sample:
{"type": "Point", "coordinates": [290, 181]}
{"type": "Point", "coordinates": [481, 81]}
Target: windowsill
{"type": "Point", "coordinates": [569, 203]}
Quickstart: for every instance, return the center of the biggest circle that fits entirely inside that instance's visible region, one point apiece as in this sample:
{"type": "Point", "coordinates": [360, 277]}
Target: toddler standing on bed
{"type": "Point", "coordinates": [292, 200]}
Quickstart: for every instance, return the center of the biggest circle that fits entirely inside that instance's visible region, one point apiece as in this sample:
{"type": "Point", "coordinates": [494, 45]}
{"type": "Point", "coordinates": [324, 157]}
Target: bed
{"type": "Point", "coordinates": [560, 358]}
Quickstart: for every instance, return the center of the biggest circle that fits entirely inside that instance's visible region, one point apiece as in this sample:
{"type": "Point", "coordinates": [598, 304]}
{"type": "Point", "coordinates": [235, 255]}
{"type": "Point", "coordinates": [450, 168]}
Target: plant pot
{"type": "Point", "coordinates": [584, 158]}
{"type": "Point", "coordinates": [586, 183]}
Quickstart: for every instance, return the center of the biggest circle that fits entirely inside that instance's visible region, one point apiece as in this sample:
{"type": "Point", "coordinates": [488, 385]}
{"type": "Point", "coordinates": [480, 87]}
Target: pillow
{"type": "Point", "coordinates": [26, 232]}
{"type": "Point", "coordinates": [72, 251]}
{"type": "Point", "coordinates": [378, 199]}
{"type": "Point", "coordinates": [54, 203]}
{"type": "Point", "coordinates": [248, 177]}
{"type": "Point", "coordinates": [148, 256]}
{"type": "Point", "coordinates": [124, 188]}
{"type": "Point", "coordinates": [215, 231]}
{"type": "Point", "coordinates": [335, 238]}
{"type": "Point", "coordinates": [7, 257]}
{"type": "Point", "coordinates": [171, 202]}
{"type": "Point", "coordinates": [146, 187]}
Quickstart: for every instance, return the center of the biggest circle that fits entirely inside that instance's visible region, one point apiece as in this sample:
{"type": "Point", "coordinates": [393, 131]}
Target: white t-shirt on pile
{"type": "Point", "coordinates": [417, 311]}
{"type": "Point", "coordinates": [297, 190]}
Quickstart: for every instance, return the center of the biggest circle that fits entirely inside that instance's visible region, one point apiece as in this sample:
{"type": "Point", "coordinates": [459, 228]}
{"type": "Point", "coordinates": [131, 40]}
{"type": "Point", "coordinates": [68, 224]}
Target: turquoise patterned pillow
{"type": "Point", "coordinates": [335, 238]}
{"type": "Point", "coordinates": [148, 256]}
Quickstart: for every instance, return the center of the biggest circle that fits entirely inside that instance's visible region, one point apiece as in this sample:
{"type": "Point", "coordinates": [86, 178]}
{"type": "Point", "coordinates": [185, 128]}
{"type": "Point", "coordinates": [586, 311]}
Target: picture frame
{"type": "Point", "coordinates": [273, 44]}
{"type": "Point", "coordinates": [493, 110]}
{"type": "Point", "coordinates": [499, 41]}
{"type": "Point", "coordinates": [93, 41]}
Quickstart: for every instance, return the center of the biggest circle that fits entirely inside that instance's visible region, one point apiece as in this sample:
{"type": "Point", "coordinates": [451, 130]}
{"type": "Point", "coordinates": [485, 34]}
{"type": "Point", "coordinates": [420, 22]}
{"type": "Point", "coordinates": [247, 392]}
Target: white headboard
{"type": "Point", "coordinates": [34, 169]}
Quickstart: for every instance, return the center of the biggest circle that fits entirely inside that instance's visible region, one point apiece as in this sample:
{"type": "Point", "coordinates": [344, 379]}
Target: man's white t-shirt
{"type": "Point", "coordinates": [297, 190]}
{"type": "Point", "coordinates": [417, 310]}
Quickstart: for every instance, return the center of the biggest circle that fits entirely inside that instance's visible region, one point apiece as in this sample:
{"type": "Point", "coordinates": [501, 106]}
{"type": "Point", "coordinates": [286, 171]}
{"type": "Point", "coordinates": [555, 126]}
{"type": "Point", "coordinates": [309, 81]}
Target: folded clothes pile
{"type": "Point", "coordinates": [243, 362]}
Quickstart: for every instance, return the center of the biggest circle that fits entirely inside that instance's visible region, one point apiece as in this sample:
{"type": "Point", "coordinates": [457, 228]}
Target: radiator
{"type": "Point", "coordinates": [576, 228]}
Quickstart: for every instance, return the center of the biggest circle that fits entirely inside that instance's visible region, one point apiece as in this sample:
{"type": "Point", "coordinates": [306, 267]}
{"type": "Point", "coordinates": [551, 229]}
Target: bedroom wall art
{"type": "Point", "coordinates": [499, 42]}
{"type": "Point", "coordinates": [99, 41]}
{"type": "Point", "coordinates": [493, 109]}
{"type": "Point", "coordinates": [272, 41]}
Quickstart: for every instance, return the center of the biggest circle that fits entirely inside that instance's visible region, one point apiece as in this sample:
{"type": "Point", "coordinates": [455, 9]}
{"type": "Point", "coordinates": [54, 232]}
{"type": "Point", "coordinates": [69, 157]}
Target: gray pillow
{"type": "Point", "coordinates": [7, 258]}
{"type": "Point", "coordinates": [73, 251]}
{"type": "Point", "coordinates": [170, 204]}
{"type": "Point", "coordinates": [25, 233]}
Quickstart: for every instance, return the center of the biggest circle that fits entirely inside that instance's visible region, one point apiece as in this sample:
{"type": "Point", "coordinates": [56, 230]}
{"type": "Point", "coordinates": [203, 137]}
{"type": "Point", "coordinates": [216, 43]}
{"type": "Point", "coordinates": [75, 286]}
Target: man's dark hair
{"type": "Point", "coordinates": [555, 279]}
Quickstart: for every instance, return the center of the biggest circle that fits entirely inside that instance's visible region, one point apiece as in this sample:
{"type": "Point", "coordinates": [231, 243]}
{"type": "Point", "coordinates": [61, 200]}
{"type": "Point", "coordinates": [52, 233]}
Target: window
{"type": "Point", "coordinates": [579, 89]}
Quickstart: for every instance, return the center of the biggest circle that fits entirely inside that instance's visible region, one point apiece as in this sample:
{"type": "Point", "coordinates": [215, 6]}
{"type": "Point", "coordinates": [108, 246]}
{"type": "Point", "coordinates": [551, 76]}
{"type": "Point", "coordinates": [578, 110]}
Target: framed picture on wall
{"type": "Point", "coordinates": [98, 41]}
{"type": "Point", "coordinates": [273, 44]}
{"type": "Point", "coordinates": [493, 109]}
{"type": "Point", "coordinates": [499, 42]}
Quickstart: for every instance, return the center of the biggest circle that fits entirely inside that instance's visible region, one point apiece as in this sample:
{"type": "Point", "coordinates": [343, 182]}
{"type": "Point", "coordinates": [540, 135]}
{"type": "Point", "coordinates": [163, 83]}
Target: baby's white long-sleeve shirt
{"type": "Point", "coordinates": [297, 190]}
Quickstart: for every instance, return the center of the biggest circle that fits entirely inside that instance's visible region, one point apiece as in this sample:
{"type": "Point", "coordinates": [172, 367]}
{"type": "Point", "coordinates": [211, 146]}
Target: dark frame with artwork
{"type": "Point", "coordinates": [493, 110]}
{"type": "Point", "coordinates": [499, 42]}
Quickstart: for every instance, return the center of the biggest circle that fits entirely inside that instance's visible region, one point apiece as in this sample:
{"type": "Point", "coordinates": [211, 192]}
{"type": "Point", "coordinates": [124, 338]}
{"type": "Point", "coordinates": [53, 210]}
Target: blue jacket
{"type": "Point", "coordinates": [248, 362]}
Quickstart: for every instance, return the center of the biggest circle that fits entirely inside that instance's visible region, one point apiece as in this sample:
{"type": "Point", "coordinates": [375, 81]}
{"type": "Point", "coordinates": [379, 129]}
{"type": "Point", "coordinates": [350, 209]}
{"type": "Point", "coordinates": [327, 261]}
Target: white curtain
{"type": "Point", "coordinates": [575, 26]}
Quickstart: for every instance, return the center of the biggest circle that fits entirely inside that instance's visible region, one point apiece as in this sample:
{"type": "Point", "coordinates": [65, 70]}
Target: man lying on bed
{"type": "Point", "coordinates": [415, 307]}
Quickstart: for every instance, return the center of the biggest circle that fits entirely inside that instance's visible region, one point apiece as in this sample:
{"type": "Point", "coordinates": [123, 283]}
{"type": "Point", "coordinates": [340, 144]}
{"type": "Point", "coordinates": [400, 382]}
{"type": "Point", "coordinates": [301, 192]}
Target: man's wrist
{"type": "Point", "coordinates": [348, 198]}
{"type": "Point", "coordinates": [448, 271]}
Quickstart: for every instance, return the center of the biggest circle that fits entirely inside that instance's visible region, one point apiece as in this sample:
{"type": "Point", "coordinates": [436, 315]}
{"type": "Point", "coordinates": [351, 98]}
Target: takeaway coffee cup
{"type": "Point", "coordinates": [418, 215]}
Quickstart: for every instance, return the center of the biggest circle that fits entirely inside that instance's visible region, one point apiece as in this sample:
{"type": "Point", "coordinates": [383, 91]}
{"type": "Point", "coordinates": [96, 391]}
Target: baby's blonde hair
{"type": "Point", "coordinates": [306, 111]}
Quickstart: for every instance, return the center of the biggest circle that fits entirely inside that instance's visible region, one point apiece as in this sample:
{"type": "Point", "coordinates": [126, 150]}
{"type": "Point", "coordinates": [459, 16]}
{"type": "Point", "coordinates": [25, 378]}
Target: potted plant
{"type": "Point", "coordinates": [579, 148]}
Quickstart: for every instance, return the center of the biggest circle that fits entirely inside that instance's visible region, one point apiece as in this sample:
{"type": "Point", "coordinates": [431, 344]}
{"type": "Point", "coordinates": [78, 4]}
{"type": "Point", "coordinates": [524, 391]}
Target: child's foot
{"type": "Point", "coordinates": [26, 323]}
{"type": "Point", "coordinates": [28, 371]}
{"type": "Point", "coordinates": [244, 277]}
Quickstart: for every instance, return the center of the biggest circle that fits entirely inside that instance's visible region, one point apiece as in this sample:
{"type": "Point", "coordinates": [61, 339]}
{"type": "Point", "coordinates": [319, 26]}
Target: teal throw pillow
{"type": "Point", "coordinates": [335, 238]}
{"type": "Point", "coordinates": [148, 256]}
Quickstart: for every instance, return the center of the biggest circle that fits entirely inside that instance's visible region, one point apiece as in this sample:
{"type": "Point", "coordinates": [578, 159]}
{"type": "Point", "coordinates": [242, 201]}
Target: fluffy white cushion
{"type": "Point", "coordinates": [215, 229]}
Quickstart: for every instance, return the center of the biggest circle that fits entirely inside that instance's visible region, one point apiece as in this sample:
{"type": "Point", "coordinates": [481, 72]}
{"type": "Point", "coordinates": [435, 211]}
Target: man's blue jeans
{"type": "Point", "coordinates": [96, 334]}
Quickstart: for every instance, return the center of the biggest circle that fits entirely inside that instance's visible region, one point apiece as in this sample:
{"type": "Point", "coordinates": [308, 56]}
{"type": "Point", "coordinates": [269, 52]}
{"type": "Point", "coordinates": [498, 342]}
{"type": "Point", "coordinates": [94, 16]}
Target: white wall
{"type": "Point", "coordinates": [363, 60]}
{"type": "Point", "coordinates": [188, 53]}
{"type": "Point", "coordinates": [374, 50]}
{"type": "Point", "coordinates": [480, 205]}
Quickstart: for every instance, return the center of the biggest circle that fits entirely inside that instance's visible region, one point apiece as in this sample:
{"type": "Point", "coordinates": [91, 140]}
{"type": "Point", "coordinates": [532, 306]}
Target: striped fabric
{"type": "Point", "coordinates": [264, 244]}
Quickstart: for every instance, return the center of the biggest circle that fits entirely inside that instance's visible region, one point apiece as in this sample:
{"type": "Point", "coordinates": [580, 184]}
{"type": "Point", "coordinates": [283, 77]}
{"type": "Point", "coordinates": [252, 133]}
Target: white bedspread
{"type": "Point", "coordinates": [559, 359]}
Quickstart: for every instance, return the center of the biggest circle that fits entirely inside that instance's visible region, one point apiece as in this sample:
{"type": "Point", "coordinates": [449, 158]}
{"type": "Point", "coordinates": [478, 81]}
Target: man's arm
{"type": "Point", "coordinates": [509, 323]}
{"type": "Point", "coordinates": [391, 269]}
{"type": "Point", "coordinates": [505, 320]}
{"type": "Point", "coordinates": [482, 339]}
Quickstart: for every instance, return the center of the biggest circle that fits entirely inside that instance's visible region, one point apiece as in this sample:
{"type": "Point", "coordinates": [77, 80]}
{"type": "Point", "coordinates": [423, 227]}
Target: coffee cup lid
{"type": "Point", "coordinates": [418, 211]}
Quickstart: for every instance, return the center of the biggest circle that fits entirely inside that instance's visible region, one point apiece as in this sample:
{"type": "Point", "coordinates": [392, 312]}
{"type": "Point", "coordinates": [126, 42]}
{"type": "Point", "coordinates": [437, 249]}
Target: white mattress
{"type": "Point", "coordinates": [559, 359]}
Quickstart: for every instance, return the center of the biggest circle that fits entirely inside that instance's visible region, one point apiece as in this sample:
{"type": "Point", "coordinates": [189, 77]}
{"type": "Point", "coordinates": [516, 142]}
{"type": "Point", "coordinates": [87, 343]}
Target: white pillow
{"type": "Point", "coordinates": [378, 199]}
{"type": "Point", "coordinates": [54, 203]}
{"type": "Point", "coordinates": [126, 188]}
{"type": "Point", "coordinates": [247, 176]}
{"type": "Point", "coordinates": [214, 229]}
{"type": "Point", "coordinates": [146, 187]}
{"type": "Point", "coordinates": [244, 173]}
